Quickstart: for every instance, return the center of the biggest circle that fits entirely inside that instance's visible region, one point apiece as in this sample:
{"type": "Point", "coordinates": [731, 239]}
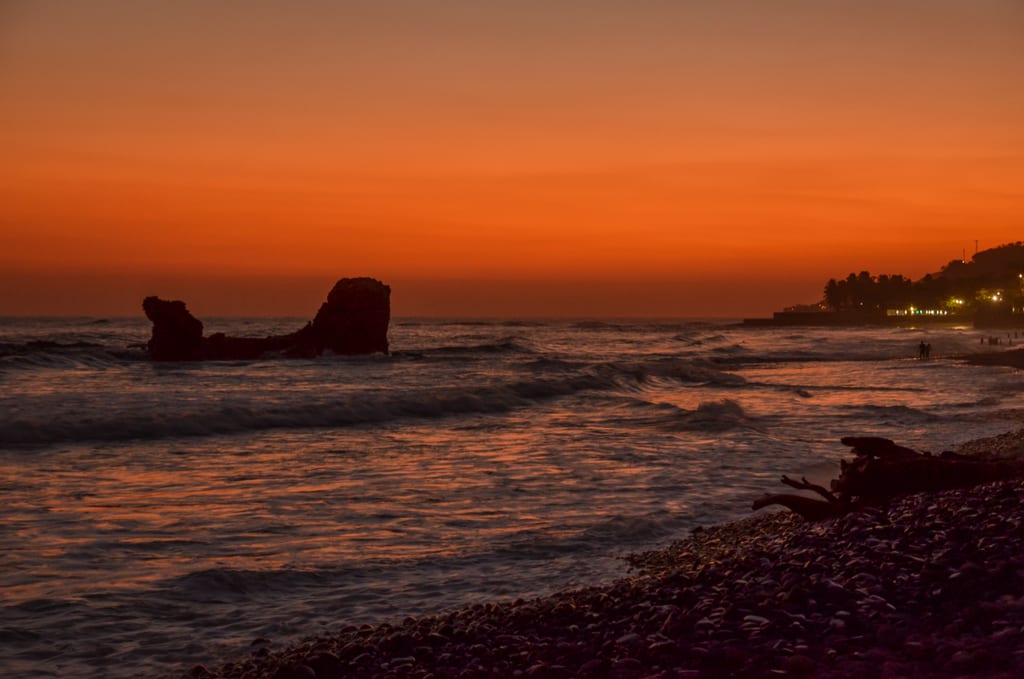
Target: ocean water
{"type": "Point", "coordinates": [155, 516]}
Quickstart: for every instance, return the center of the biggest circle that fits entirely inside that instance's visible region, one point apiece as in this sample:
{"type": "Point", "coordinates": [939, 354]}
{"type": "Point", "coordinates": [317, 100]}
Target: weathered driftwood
{"type": "Point", "coordinates": [881, 470]}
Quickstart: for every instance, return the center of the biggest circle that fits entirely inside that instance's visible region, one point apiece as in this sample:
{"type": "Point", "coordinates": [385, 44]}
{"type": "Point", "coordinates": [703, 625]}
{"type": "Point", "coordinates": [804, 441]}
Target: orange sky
{"type": "Point", "coordinates": [653, 157]}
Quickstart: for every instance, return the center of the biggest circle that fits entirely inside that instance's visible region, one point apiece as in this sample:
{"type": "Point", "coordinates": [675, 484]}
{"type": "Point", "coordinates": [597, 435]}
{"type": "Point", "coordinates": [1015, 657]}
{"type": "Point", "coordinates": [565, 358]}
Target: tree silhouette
{"type": "Point", "coordinates": [997, 270]}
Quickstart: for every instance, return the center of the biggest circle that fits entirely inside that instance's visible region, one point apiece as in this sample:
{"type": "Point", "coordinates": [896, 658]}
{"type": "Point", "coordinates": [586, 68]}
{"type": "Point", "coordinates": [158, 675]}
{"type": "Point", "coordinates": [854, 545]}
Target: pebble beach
{"type": "Point", "coordinates": [930, 585]}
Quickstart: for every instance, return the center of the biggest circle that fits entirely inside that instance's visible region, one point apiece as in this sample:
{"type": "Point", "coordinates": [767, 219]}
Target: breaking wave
{"type": "Point", "coordinates": [720, 415]}
{"type": "Point", "coordinates": [210, 414]}
{"type": "Point", "coordinates": [504, 346]}
{"type": "Point", "coordinates": [232, 416]}
{"type": "Point", "coordinates": [899, 412]}
{"type": "Point", "coordinates": [710, 416]}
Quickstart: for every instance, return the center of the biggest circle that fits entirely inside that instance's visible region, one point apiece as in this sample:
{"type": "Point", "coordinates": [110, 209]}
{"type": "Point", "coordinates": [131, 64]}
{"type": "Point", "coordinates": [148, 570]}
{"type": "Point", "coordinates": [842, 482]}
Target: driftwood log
{"type": "Point", "coordinates": [882, 470]}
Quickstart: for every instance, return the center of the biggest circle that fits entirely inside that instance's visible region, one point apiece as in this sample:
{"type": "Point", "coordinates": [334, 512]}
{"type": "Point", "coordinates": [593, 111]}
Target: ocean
{"type": "Point", "coordinates": [156, 516]}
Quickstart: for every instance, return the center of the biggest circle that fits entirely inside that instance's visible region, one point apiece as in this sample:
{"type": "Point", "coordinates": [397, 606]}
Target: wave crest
{"type": "Point", "coordinates": [719, 415]}
{"type": "Point", "coordinates": [232, 416]}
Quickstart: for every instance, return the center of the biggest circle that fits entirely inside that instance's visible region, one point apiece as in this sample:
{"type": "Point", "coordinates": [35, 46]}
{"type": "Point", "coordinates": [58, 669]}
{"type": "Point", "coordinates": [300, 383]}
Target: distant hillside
{"type": "Point", "coordinates": [991, 283]}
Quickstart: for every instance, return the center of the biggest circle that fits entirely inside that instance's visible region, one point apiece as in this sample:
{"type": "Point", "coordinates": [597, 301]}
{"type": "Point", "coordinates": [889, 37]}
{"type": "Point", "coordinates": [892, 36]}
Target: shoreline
{"type": "Point", "coordinates": [931, 585]}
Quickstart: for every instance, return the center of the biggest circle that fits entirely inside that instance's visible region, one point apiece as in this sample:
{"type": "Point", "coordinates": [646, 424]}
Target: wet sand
{"type": "Point", "coordinates": [931, 585]}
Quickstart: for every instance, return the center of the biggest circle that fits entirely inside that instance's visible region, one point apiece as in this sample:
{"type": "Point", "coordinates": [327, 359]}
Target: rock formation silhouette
{"type": "Point", "coordinates": [353, 320]}
{"type": "Point", "coordinates": [177, 334]}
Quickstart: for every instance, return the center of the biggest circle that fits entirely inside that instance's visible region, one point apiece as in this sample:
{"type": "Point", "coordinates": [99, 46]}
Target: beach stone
{"type": "Point", "coordinates": [628, 639]}
{"type": "Point", "coordinates": [627, 664]}
{"type": "Point", "coordinates": [327, 666]}
{"type": "Point", "coordinates": [361, 659]}
{"type": "Point", "coordinates": [970, 660]}
{"type": "Point", "coordinates": [539, 670]}
{"type": "Point", "coordinates": [594, 666]}
{"type": "Point", "coordinates": [351, 650]}
{"type": "Point", "coordinates": [666, 647]}
{"type": "Point", "coordinates": [726, 658]}
{"type": "Point", "coordinates": [799, 665]}
{"type": "Point", "coordinates": [295, 672]}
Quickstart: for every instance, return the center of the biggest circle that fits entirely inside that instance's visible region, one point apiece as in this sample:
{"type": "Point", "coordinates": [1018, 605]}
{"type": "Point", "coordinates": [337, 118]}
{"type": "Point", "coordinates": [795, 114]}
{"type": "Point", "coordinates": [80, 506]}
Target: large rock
{"type": "Point", "coordinates": [353, 320]}
{"type": "Point", "coordinates": [177, 334]}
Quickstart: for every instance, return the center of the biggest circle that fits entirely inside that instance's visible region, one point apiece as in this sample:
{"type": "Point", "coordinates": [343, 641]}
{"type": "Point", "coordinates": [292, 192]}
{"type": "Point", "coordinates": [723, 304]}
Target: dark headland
{"type": "Point", "coordinates": [987, 291]}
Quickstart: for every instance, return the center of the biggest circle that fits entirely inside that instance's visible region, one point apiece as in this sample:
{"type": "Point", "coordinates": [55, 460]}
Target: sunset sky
{"type": "Point", "coordinates": [520, 158]}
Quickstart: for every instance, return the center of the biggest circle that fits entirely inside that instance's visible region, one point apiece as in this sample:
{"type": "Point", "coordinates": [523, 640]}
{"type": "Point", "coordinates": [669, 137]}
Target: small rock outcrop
{"type": "Point", "coordinates": [353, 320]}
{"type": "Point", "coordinates": [177, 334]}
